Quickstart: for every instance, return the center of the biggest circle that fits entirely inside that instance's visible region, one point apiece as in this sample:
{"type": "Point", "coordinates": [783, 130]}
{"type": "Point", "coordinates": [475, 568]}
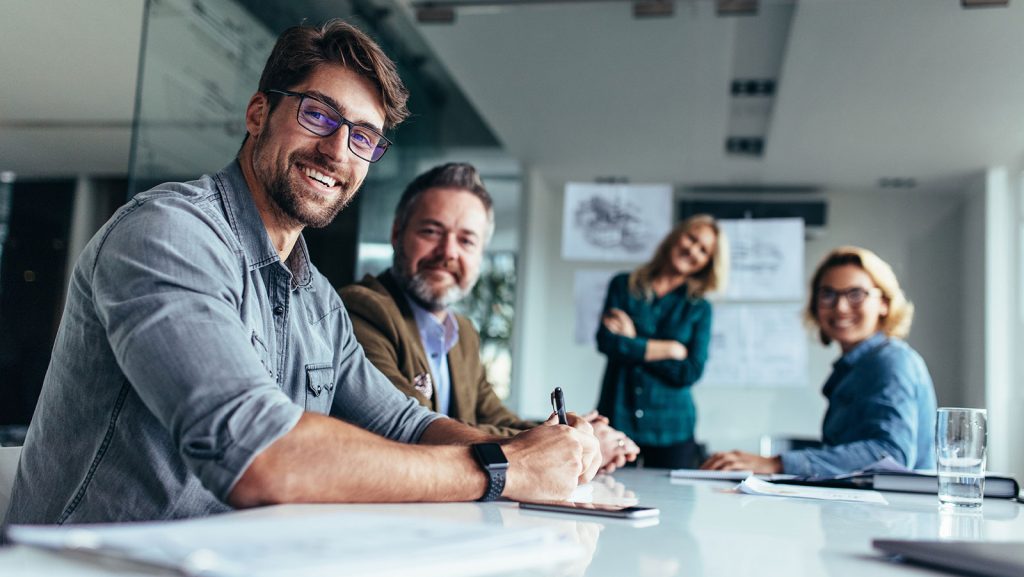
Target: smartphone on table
{"type": "Point", "coordinates": [617, 511]}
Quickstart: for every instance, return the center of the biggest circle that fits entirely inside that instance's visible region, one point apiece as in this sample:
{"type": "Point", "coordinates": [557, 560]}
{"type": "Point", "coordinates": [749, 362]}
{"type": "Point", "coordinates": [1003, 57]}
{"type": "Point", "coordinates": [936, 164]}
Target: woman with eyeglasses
{"type": "Point", "coordinates": [881, 397]}
{"type": "Point", "coordinates": [655, 332]}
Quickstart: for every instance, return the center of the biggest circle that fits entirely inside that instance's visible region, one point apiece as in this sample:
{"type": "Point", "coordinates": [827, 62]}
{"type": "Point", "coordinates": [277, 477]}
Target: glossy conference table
{"type": "Point", "coordinates": [703, 529]}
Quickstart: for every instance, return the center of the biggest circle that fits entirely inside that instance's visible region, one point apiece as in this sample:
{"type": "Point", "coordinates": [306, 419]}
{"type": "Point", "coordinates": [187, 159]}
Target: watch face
{"type": "Point", "coordinates": [490, 454]}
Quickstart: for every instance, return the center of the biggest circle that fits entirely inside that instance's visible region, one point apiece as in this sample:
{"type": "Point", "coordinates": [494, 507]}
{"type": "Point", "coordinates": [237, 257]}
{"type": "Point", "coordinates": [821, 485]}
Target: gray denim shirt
{"type": "Point", "coordinates": [185, 349]}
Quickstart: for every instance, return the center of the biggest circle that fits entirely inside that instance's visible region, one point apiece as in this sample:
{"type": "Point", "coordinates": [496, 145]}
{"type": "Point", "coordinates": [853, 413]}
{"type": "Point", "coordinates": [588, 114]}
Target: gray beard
{"type": "Point", "coordinates": [417, 288]}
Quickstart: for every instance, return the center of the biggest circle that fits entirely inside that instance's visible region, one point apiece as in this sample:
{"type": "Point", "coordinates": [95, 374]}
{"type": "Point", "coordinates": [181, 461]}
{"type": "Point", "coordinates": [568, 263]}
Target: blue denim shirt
{"type": "Point", "coordinates": [185, 349]}
{"type": "Point", "coordinates": [881, 403]}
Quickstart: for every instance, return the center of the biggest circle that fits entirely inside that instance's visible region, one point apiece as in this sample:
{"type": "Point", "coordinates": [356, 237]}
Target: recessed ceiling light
{"type": "Point", "coordinates": [984, 3]}
{"type": "Point", "coordinates": [897, 182]}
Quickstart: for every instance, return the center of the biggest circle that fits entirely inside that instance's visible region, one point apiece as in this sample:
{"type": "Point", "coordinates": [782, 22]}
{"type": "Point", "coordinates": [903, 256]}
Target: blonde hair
{"type": "Point", "coordinates": [712, 277]}
{"type": "Point", "coordinates": [896, 323]}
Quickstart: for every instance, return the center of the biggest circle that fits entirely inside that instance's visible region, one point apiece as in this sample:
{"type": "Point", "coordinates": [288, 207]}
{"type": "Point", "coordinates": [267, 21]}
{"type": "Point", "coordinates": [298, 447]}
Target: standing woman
{"type": "Point", "coordinates": [655, 332]}
{"type": "Point", "coordinates": [881, 402]}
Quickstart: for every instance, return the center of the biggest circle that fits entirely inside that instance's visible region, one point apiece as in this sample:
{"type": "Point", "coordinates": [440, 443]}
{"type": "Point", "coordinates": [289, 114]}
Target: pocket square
{"type": "Point", "coordinates": [424, 384]}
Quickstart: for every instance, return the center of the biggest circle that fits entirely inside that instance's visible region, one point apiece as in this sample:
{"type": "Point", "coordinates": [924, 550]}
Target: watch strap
{"type": "Point", "coordinates": [495, 475]}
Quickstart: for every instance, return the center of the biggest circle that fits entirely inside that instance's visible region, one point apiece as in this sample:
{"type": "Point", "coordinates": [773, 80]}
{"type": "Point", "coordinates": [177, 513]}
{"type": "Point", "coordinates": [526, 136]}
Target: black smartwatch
{"type": "Point", "coordinates": [492, 460]}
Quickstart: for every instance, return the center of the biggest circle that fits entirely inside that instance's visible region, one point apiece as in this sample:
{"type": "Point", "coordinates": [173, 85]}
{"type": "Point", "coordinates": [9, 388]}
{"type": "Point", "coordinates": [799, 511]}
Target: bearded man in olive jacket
{"type": "Point", "coordinates": [403, 317]}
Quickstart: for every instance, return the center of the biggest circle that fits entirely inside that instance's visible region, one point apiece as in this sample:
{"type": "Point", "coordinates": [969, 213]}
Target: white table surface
{"type": "Point", "coordinates": [703, 529]}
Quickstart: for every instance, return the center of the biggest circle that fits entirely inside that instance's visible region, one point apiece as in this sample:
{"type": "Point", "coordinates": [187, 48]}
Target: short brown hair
{"type": "Point", "coordinates": [901, 311]}
{"type": "Point", "coordinates": [460, 175]}
{"type": "Point", "coordinates": [708, 279]}
{"type": "Point", "coordinates": [300, 49]}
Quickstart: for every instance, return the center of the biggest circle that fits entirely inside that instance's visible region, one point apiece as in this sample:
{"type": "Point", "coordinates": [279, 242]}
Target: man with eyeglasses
{"type": "Point", "coordinates": [203, 363]}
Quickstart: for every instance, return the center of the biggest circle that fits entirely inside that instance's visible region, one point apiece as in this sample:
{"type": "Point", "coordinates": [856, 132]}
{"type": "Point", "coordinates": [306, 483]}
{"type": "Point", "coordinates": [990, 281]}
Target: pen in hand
{"type": "Point", "coordinates": [558, 405]}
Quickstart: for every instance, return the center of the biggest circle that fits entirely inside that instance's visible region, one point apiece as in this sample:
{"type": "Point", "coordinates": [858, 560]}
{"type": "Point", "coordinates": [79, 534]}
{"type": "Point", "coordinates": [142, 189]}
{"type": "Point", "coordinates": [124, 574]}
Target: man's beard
{"type": "Point", "coordinates": [287, 194]}
{"type": "Point", "coordinates": [417, 287]}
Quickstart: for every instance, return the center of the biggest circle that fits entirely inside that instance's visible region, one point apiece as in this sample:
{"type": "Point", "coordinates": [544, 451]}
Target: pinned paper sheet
{"type": "Point", "coordinates": [755, 486]}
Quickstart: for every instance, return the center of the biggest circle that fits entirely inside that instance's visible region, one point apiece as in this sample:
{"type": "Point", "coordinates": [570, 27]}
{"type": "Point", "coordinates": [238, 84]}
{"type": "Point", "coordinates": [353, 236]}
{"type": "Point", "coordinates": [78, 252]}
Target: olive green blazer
{"type": "Point", "coordinates": [386, 328]}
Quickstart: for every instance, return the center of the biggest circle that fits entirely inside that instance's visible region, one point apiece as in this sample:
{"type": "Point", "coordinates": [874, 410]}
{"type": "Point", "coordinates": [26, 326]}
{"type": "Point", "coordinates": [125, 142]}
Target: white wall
{"type": "Point", "coordinates": [921, 235]}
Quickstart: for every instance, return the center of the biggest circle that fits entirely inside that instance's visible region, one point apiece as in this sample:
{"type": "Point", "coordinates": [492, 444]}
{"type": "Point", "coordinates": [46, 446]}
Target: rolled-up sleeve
{"type": "Point", "coordinates": [619, 348]}
{"type": "Point", "coordinates": [367, 398]}
{"type": "Point", "coordinates": [882, 417]}
{"type": "Point", "coordinates": [168, 290]}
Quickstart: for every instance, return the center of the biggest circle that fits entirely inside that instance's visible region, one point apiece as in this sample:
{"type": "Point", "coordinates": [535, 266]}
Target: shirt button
{"type": "Point", "coordinates": [639, 413]}
{"type": "Point", "coordinates": [319, 389]}
{"type": "Point", "coordinates": [279, 310]}
{"type": "Point", "coordinates": [639, 390]}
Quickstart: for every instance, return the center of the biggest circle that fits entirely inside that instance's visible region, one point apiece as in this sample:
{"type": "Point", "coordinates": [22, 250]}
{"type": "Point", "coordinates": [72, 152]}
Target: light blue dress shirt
{"type": "Point", "coordinates": [438, 338]}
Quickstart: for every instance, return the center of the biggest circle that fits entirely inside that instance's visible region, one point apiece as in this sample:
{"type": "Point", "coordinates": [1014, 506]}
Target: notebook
{"type": "Point", "coordinates": [986, 558]}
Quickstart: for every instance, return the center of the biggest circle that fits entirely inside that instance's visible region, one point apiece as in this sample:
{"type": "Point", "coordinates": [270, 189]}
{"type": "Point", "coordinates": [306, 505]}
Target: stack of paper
{"type": "Point", "coordinates": [755, 486]}
{"type": "Point", "coordinates": [710, 475]}
{"type": "Point", "coordinates": [310, 544]}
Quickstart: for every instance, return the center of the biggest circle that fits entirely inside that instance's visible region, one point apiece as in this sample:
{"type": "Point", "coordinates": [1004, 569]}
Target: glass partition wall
{"type": "Point", "coordinates": [201, 61]}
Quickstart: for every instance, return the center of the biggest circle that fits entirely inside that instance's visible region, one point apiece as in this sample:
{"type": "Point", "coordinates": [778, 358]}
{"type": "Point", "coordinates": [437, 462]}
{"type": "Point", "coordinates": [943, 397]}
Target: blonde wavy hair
{"type": "Point", "coordinates": [896, 323]}
{"type": "Point", "coordinates": [712, 277]}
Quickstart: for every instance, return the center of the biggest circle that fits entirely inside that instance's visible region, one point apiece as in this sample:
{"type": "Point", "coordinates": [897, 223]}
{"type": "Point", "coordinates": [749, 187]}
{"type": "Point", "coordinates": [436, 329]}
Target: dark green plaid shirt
{"type": "Point", "coordinates": [651, 401]}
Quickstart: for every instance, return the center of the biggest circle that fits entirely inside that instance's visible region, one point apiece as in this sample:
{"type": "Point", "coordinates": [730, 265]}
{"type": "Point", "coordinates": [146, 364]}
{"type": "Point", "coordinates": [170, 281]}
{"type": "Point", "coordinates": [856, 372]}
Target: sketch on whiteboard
{"type": "Point", "coordinates": [614, 222]}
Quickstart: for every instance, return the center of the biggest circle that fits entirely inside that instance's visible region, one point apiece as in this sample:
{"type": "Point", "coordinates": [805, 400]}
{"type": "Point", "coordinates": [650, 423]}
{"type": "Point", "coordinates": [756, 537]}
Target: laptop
{"type": "Point", "coordinates": [983, 558]}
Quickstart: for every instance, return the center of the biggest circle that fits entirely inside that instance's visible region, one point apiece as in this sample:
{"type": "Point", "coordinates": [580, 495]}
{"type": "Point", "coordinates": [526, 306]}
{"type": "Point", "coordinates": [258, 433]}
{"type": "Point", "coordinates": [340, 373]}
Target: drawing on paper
{"type": "Point", "coordinates": [614, 222]}
{"type": "Point", "coordinates": [756, 256]}
{"type": "Point", "coordinates": [766, 259]}
{"type": "Point", "coordinates": [611, 223]}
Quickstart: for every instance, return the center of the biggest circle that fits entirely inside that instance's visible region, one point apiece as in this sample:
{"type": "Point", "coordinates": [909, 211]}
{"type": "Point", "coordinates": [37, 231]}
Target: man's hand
{"type": "Point", "coordinates": [618, 322]}
{"type": "Point", "coordinates": [740, 461]}
{"type": "Point", "coordinates": [593, 454]}
{"type": "Point", "coordinates": [616, 448]}
{"type": "Point", "coordinates": [546, 463]}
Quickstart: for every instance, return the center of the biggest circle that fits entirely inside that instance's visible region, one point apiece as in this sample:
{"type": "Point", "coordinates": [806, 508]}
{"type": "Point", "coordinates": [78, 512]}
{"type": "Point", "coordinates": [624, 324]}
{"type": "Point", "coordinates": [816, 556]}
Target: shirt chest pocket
{"type": "Point", "coordinates": [319, 387]}
{"type": "Point", "coordinates": [260, 346]}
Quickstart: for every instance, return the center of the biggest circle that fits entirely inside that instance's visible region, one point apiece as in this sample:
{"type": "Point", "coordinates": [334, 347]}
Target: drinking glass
{"type": "Point", "coordinates": [960, 442]}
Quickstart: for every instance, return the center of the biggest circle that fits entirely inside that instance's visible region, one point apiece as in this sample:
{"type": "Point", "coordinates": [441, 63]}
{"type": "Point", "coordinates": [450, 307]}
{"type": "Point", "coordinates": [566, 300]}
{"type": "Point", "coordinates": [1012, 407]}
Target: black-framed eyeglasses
{"type": "Point", "coordinates": [829, 297]}
{"type": "Point", "coordinates": [322, 119]}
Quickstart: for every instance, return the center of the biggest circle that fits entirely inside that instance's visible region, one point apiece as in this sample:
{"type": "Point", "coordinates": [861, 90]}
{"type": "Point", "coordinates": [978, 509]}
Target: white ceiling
{"type": "Point", "coordinates": [867, 89]}
{"type": "Point", "coordinates": [68, 85]}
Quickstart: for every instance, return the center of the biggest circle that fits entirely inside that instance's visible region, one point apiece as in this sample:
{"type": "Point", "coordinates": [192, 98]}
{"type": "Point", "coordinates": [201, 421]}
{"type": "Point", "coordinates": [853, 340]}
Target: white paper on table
{"type": "Point", "coordinates": [311, 544]}
{"type": "Point", "coordinates": [755, 486]}
{"type": "Point", "coordinates": [710, 475]}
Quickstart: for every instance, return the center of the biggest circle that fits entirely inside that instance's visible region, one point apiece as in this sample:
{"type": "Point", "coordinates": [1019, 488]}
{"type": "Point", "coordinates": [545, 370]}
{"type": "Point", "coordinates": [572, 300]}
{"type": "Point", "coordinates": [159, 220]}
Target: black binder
{"type": "Point", "coordinates": [997, 486]}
